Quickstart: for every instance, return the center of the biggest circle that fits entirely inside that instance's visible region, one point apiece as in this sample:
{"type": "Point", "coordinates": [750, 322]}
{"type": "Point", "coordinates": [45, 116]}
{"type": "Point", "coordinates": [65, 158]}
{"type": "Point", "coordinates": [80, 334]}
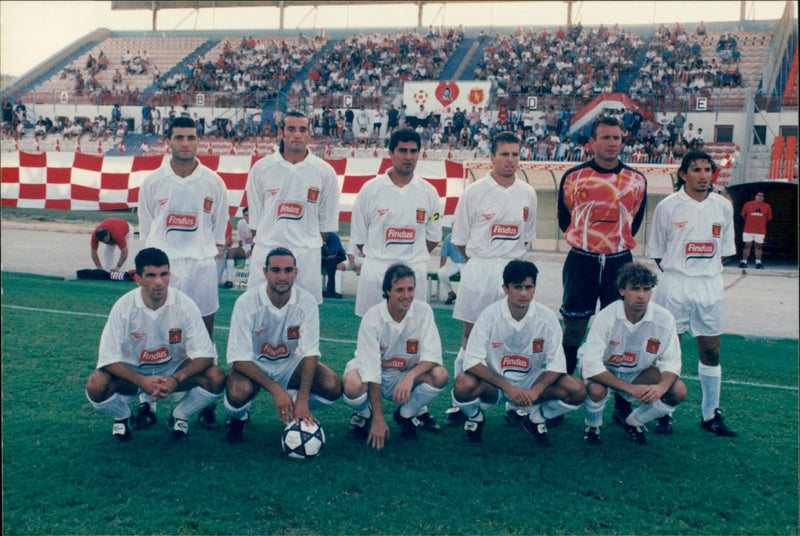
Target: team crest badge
{"type": "Point", "coordinates": [412, 346]}
{"type": "Point", "coordinates": [207, 204]}
{"type": "Point", "coordinates": [653, 345]}
{"type": "Point", "coordinates": [293, 332]}
{"type": "Point", "coordinates": [524, 213]}
{"type": "Point", "coordinates": [538, 345]}
{"type": "Point", "coordinates": [476, 95]}
{"type": "Point", "coordinates": [175, 335]}
{"type": "Point", "coordinates": [313, 194]}
{"type": "Point", "coordinates": [420, 215]}
{"type": "Point", "coordinates": [716, 229]}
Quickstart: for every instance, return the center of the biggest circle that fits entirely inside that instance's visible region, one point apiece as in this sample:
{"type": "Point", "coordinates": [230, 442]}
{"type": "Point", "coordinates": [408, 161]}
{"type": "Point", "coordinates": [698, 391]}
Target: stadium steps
{"type": "Point", "coordinates": [186, 61]}
{"type": "Point", "coordinates": [31, 86]}
{"type": "Point", "coordinates": [452, 65]}
{"type": "Point", "coordinates": [626, 80]}
{"type": "Point", "coordinates": [473, 56]}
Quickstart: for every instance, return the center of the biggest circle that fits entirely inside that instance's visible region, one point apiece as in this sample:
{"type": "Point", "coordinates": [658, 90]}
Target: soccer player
{"type": "Point", "coordinates": [183, 210]}
{"type": "Point", "coordinates": [244, 250]}
{"type": "Point", "coordinates": [514, 354]}
{"type": "Point", "coordinates": [692, 231]}
{"type": "Point", "coordinates": [494, 222]}
{"type": "Point", "coordinates": [451, 262]}
{"type": "Point", "coordinates": [756, 214]}
{"type": "Point", "coordinates": [274, 345]}
{"type": "Point", "coordinates": [396, 218]}
{"type": "Point", "coordinates": [398, 357]}
{"type": "Point", "coordinates": [293, 198]}
{"type": "Point", "coordinates": [116, 233]}
{"type": "Point", "coordinates": [155, 343]}
{"type": "Point", "coordinates": [632, 348]}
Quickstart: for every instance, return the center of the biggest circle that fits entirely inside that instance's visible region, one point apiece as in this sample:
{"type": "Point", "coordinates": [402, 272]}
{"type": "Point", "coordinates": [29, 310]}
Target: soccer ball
{"type": "Point", "coordinates": [302, 440]}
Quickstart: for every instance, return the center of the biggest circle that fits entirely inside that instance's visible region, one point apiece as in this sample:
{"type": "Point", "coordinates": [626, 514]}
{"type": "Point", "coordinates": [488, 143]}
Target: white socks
{"type": "Point", "coordinates": [197, 399]}
{"type": "Point", "coordinates": [710, 382]}
{"type": "Point", "coordinates": [420, 396]}
{"type": "Point", "coordinates": [116, 406]}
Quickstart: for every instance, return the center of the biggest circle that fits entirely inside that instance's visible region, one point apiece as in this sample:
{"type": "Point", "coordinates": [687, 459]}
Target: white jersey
{"type": "Point", "coordinates": [394, 223]}
{"type": "Point", "coordinates": [691, 237]}
{"type": "Point", "coordinates": [513, 349]}
{"type": "Point", "coordinates": [151, 340]}
{"type": "Point", "coordinates": [291, 204]}
{"type": "Point", "coordinates": [384, 344]}
{"type": "Point", "coordinates": [495, 222]}
{"type": "Point", "coordinates": [616, 345]}
{"type": "Point", "coordinates": [184, 217]}
{"type": "Point", "coordinates": [275, 339]}
{"type": "Point", "coordinates": [244, 233]}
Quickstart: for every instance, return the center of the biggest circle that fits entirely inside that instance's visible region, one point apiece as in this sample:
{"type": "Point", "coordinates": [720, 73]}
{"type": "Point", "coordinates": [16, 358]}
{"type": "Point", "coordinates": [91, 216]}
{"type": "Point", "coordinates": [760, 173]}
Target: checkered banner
{"type": "Point", "coordinates": [78, 181]}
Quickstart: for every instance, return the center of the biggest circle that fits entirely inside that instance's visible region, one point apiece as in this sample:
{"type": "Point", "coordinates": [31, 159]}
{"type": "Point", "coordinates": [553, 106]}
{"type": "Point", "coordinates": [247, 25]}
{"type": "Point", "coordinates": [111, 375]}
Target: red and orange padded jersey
{"type": "Point", "coordinates": [600, 210]}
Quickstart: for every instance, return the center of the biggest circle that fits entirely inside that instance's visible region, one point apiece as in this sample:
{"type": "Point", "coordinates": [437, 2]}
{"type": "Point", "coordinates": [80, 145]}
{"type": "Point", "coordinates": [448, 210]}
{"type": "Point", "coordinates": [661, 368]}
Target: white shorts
{"type": "Point", "coordinates": [752, 237]}
{"type": "Point", "coordinates": [309, 274]}
{"type": "Point", "coordinates": [626, 377]}
{"type": "Point", "coordinates": [481, 285]}
{"type": "Point", "coordinates": [370, 283]}
{"type": "Point", "coordinates": [166, 370]}
{"type": "Point", "coordinates": [502, 397]}
{"type": "Point", "coordinates": [198, 279]}
{"type": "Point", "coordinates": [389, 378]}
{"type": "Point", "coordinates": [695, 302]}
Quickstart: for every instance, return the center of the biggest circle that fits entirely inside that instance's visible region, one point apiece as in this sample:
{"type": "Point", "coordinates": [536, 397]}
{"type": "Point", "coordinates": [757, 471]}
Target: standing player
{"type": "Point", "coordinates": [756, 214]}
{"type": "Point", "coordinates": [451, 262]}
{"type": "Point", "coordinates": [183, 210]}
{"type": "Point", "coordinates": [245, 249]}
{"type": "Point", "coordinates": [601, 205]}
{"type": "Point", "coordinates": [293, 198]}
{"type": "Point", "coordinates": [274, 345]}
{"type": "Point", "coordinates": [398, 357]}
{"type": "Point", "coordinates": [511, 342]}
{"type": "Point", "coordinates": [632, 348]}
{"type": "Point", "coordinates": [692, 231]}
{"type": "Point", "coordinates": [154, 342]}
{"type": "Point", "coordinates": [396, 218]}
{"type": "Point", "coordinates": [494, 223]}
{"type": "Point", "coordinates": [116, 233]}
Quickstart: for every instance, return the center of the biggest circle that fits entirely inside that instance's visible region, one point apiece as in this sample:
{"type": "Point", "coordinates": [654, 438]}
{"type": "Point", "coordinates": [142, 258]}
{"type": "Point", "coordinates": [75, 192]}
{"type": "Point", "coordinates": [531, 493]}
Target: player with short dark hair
{"type": "Point", "coordinates": [274, 345]}
{"type": "Point", "coordinates": [632, 348]}
{"type": "Point", "coordinates": [692, 231]}
{"type": "Point", "coordinates": [398, 357]}
{"type": "Point", "coordinates": [514, 354]}
{"type": "Point", "coordinates": [154, 343]}
{"type": "Point", "coordinates": [113, 233]}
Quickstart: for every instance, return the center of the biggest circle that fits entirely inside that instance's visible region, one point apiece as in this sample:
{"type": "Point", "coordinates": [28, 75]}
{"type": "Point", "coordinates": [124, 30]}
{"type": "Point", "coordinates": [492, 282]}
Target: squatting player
{"type": "Point", "coordinates": [398, 357]}
{"type": "Point", "coordinates": [293, 197]}
{"type": "Point", "coordinates": [692, 231]}
{"type": "Point", "coordinates": [154, 342]}
{"type": "Point", "coordinates": [514, 354]}
{"type": "Point", "coordinates": [632, 348]}
{"type": "Point", "coordinates": [274, 345]}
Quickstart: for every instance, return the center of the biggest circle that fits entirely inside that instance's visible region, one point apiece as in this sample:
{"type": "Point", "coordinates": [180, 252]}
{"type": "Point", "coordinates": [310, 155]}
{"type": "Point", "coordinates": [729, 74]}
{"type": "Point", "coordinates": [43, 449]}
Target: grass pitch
{"type": "Point", "coordinates": [63, 475]}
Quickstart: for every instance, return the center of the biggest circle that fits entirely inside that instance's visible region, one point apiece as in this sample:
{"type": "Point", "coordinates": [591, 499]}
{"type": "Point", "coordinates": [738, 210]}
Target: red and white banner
{"type": "Point", "coordinates": [438, 96]}
{"type": "Point", "coordinates": [77, 181]}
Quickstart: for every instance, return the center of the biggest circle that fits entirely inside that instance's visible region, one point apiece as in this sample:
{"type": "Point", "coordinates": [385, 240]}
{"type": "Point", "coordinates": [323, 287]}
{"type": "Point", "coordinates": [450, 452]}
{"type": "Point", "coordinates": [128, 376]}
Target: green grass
{"type": "Point", "coordinates": [63, 475]}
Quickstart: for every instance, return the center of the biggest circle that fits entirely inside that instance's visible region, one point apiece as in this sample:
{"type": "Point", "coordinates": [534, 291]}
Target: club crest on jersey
{"type": "Point", "coordinates": [395, 363]}
{"type": "Point", "coordinates": [313, 194]}
{"type": "Point", "coordinates": [525, 213]}
{"type": "Point", "coordinates": [154, 357]}
{"type": "Point", "coordinates": [208, 202]}
{"type": "Point", "coordinates": [716, 229]}
{"type": "Point", "coordinates": [400, 235]}
{"type": "Point", "coordinates": [653, 345]}
{"type": "Point", "coordinates": [699, 250]}
{"type": "Point", "coordinates": [175, 335]}
{"type": "Point", "coordinates": [412, 346]}
{"type": "Point", "coordinates": [504, 231]}
{"type": "Point", "coordinates": [420, 215]}
{"type": "Point", "coordinates": [273, 353]}
{"type": "Point", "coordinates": [515, 363]}
{"type": "Point", "coordinates": [290, 211]}
{"type": "Point", "coordinates": [293, 332]}
{"type": "Point", "coordinates": [628, 359]}
{"type": "Point", "coordinates": [181, 222]}
{"type": "Point", "coordinates": [538, 345]}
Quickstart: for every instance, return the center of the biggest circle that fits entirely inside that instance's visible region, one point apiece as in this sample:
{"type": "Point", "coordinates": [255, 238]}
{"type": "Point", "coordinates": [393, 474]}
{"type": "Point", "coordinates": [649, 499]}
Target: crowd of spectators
{"type": "Point", "coordinates": [97, 128]}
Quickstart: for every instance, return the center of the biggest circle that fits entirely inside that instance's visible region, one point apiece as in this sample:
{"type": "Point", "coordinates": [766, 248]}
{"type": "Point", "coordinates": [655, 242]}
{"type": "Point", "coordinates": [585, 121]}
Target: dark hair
{"type": "Point", "coordinates": [518, 271]}
{"type": "Point", "coordinates": [607, 120]}
{"type": "Point", "coordinates": [401, 135]}
{"type": "Point", "coordinates": [504, 137]}
{"type": "Point", "coordinates": [245, 210]}
{"type": "Point", "coordinates": [181, 122]}
{"type": "Point", "coordinates": [279, 252]}
{"type": "Point", "coordinates": [394, 273]}
{"type": "Point", "coordinates": [150, 257]}
{"type": "Point", "coordinates": [693, 155]}
{"type": "Point", "coordinates": [293, 113]}
{"type": "Point", "coordinates": [101, 234]}
{"type": "Point", "coordinates": [636, 273]}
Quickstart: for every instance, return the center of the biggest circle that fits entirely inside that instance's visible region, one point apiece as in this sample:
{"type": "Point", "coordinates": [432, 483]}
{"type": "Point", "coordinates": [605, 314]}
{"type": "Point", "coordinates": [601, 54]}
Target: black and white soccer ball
{"type": "Point", "coordinates": [302, 440]}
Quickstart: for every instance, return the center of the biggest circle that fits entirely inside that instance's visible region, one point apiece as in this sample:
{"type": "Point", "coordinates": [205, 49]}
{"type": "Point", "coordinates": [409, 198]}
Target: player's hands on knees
{"type": "Point", "coordinates": [403, 390]}
{"type": "Point", "coordinates": [284, 406]}
{"type": "Point", "coordinates": [378, 434]}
